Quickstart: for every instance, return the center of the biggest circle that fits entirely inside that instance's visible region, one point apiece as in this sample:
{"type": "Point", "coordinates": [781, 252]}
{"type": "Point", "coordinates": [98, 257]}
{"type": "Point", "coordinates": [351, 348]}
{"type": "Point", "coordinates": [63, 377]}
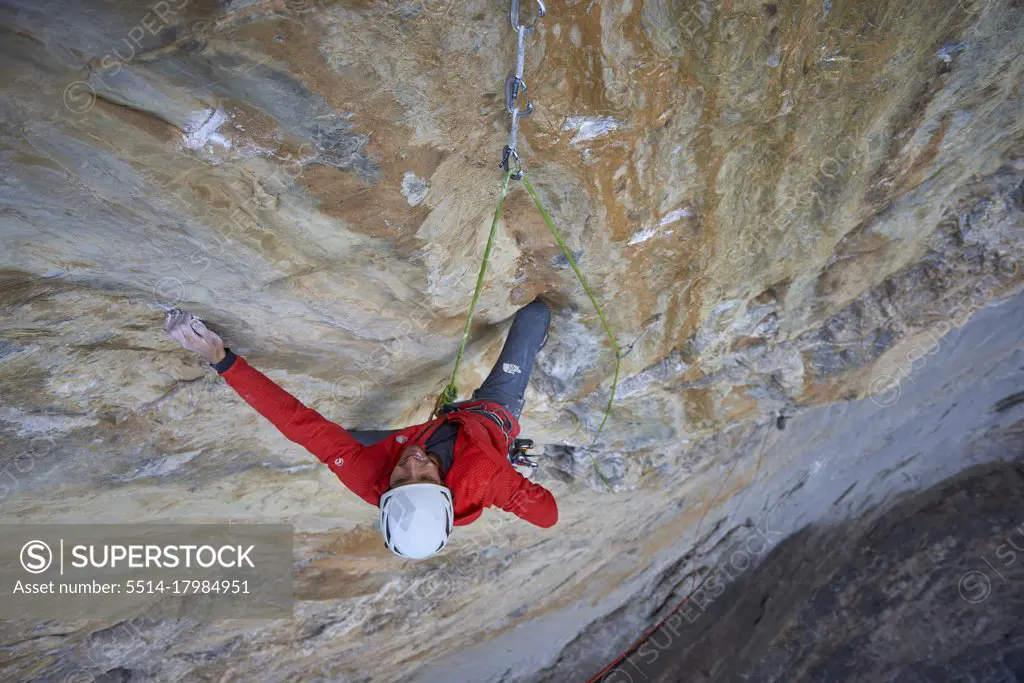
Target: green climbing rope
{"type": "Point", "coordinates": [450, 393]}
{"type": "Point", "coordinates": [593, 300]}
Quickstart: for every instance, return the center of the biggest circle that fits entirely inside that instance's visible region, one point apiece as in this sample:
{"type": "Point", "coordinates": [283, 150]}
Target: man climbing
{"type": "Point", "coordinates": [425, 478]}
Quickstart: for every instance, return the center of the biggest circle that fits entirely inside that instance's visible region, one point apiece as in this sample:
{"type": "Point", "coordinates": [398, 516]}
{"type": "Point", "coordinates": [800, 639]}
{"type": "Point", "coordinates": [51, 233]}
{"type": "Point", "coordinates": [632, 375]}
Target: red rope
{"type": "Point", "coordinates": [629, 650]}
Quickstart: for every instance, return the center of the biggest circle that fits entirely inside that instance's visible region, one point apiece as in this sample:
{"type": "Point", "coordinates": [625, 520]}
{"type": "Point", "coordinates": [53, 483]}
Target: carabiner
{"type": "Point", "coordinates": [513, 87]}
{"type": "Point", "coordinates": [541, 11]}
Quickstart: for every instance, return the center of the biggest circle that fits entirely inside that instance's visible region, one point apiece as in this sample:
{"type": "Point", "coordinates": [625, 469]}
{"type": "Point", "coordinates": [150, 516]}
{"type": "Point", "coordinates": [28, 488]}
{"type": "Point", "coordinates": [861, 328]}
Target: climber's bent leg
{"type": "Point", "coordinates": [368, 437]}
{"type": "Point", "coordinates": [508, 379]}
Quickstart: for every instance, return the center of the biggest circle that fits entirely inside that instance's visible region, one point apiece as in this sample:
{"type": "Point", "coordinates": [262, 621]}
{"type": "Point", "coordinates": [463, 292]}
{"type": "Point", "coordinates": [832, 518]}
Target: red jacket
{"type": "Point", "coordinates": [480, 475]}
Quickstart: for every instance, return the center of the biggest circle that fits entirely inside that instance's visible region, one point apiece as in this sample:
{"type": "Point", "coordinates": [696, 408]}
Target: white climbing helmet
{"type": "Point", "coordinates": [416, 519]}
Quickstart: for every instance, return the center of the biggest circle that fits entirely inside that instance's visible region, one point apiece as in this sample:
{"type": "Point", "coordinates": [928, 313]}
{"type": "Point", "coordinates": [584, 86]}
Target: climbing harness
{"type": "Point", "coordinates": [513, 169]}
{"type": "Point", "coordinates": [480, 407]}
{"type": "Point", "coordinates": [517, 448]}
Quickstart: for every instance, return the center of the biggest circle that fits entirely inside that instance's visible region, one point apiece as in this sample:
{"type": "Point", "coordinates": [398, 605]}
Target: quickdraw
{"type": "Point", "coordinates": [515, 85]}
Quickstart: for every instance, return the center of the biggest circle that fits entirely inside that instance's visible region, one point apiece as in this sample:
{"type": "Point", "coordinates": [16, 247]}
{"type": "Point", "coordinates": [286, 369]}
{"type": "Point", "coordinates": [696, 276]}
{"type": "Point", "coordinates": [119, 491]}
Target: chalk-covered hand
{"type": "Point", "coordinates": [191, 333]}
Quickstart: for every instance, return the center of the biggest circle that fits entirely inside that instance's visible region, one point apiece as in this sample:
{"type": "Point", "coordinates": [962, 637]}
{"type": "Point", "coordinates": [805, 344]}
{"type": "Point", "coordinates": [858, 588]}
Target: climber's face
{"type": "Point", "coordinates": [416, 466]}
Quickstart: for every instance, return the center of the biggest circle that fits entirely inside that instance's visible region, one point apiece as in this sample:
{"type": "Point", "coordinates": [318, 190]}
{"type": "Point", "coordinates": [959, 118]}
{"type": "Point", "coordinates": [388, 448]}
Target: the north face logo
{"type": "Point", "coordinates": [511, 369]}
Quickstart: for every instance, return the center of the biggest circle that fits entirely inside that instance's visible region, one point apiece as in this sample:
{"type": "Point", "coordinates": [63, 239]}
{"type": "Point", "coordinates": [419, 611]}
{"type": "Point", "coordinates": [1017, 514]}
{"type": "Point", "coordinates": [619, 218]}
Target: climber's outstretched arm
{"type": "Point", "coordinates": [331, 444]}
{"type": "Point", "coordinates": [304, 426]}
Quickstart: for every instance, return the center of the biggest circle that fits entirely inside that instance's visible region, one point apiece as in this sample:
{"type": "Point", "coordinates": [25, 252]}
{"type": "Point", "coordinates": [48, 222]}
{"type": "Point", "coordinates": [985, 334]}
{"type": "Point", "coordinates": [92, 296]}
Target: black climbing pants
{"type": "Point", "coordinates": [506, 383]}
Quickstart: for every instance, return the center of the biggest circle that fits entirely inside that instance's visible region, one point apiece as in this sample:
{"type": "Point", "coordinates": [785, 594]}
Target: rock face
{"type": "Point", "coordinates": [792, 213]}
{"type": "Point", "coordinates": [931, 590]}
